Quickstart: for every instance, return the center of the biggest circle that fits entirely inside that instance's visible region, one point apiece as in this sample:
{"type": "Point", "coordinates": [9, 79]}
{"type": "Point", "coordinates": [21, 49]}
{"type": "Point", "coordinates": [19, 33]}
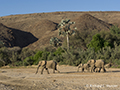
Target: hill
{"type": "Point", "coordinates": [35, 30]}
{"type": "Point", "coordinates": [89, 22]}
{"type": "Point", "coordinates": [14, 37]}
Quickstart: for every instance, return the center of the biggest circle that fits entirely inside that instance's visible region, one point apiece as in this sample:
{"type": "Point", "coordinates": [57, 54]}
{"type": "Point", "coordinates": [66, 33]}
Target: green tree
{"type": "Point", "coordinates": [97, 42]}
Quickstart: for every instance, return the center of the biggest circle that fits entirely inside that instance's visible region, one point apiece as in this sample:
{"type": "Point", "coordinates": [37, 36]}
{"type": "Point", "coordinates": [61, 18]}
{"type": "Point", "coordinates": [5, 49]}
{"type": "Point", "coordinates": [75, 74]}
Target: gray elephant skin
{"type": "Point", "coordinates": [47, 64]}
{"type": "Point", "coordinates": [99, 64]}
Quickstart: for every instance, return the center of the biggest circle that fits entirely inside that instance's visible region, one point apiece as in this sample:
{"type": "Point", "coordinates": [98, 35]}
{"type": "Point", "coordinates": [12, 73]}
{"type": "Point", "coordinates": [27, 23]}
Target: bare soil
{"type": "Point", "coordinates": [67, 79]}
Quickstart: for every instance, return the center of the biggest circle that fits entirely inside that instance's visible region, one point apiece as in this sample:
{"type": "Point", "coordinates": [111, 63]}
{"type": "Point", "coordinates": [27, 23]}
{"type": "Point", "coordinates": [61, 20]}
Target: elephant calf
{"type": "Point", "coordinates": [97, 70]}
{"type": "Point", "coordinates": [83, 66]}
{"type": "Point", "coordinates": [47, 64]}
{"type": "Point", "coordinates": [108, 65]}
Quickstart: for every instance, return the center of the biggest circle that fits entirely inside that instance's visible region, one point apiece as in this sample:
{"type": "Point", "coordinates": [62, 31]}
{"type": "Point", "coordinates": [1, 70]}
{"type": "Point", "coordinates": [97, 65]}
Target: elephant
{"type": "Point", "coordinates": [96, 64]}
{"type": "Point", "coordinates": [83, 66]}
{"type": "Point", "coordinates": [47, 64]}
{"type": "Point", "coordinates": [108, 65]}
{"type": "Point", "coordinates": [97, 69]}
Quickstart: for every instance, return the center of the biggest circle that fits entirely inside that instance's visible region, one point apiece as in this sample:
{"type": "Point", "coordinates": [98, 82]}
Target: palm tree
{"type": "Point", "coordinates": [65, 30]}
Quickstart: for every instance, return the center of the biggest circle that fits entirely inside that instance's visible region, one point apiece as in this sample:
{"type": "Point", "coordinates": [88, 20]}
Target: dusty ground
{"type": "Point", "coordinates": [68, 79]}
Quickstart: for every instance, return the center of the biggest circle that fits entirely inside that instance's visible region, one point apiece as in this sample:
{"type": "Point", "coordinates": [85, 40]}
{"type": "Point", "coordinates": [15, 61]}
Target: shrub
{"type": "Point", "coordinates": [115, 30]}
{"type": "Point", "coordinates": [51, 56]}
{"type": "Point", "coordinates": [36, 61]}
{"type": "Point", "coordinates": [2, 63]}
{"type": "Point", "coordinates": [4, 55]}
{"type": "Point", "coordinates": [97, 42]}
{"type": "Point", "coordinates": [45, 55]}
{"type": "Point", "coordinates": [33, 59]}
{"type": "Point", "coordinates": [26, 52]}
{"type": "Point", "coordinates": [59, 51]}
{"type": "Point", "coordinates": [1, 44]}
{"type": "Point", "coordinates": [28, 61]}
{"type": "Point", "coordinates": [58, 58]}
{"type": "Point", "coordinates": [69, 57]}
{"type": "Point", "coordinates": [14, 58]}
{"type": "Point", "coordinates": [38, 55]}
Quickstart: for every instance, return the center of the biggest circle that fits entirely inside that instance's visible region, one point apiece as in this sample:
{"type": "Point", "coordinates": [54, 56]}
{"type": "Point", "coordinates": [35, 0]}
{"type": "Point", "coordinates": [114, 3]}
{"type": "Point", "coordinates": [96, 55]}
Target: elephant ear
{"type": "Point", "coordinates": [92, 61]}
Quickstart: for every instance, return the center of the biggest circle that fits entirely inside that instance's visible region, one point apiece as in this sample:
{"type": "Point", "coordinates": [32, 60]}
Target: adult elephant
{"type": "Point", "coordinates": [96, 64]}
{"type": "Point", "coordinates": [47, 64]}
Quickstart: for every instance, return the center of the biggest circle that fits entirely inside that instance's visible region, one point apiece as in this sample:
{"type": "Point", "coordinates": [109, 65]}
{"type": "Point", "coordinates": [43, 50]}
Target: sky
{"type": "Point", "coordinates": [13, 7]}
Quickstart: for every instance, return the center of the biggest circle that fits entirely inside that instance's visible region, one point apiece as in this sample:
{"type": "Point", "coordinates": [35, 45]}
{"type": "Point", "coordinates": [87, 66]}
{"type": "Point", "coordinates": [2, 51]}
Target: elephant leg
{"type": "Point", "coordinates": [96, 69]}
{"type": "Point", "coordinates": [47, 70]}
{"type": "Point", "coordinates": [82, 69]}
{"type": "Point", "coordinates": [53, 70]}
{"type": "Point", "coordinates": [91, 69]}
{"type": "Point", "coordinates": [87, 70]}
{"type": "Point", "coordinates": [78, 70]}
{"type": "Point", "coordinates": [99, 70]}
{"type": "Point", "coordinates": [37, 69]}
{"type": "Point", "coordinates": [57, 70]}
{"type": "Point", "coordinates": [42, 70]}
{"type": "Point", "coordinates": [104, 70]}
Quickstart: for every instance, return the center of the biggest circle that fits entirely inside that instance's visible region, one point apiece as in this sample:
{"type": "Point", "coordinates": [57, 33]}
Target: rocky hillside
{"type": "Point", "coordinates": [35, 30]}
{"type": "Point", "coordinates": [14, 37]}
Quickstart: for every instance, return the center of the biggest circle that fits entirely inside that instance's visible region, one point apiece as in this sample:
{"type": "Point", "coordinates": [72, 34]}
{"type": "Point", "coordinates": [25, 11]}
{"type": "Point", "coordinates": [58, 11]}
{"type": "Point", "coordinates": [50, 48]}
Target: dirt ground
{"type": "Point", "coordinates": [67, 79]}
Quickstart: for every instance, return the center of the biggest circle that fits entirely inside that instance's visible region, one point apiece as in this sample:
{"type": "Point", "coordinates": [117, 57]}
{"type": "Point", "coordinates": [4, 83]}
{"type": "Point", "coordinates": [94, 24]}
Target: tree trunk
{"type": "Point", "coordinates": [67, 42]}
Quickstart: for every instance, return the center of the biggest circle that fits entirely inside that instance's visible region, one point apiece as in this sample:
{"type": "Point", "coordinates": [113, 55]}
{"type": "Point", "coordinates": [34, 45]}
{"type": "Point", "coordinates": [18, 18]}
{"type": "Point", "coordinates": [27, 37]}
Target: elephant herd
{"type": "Point", "coordinates": [94, 66]}
{"type": "Point", "coordinates": [91, 66]}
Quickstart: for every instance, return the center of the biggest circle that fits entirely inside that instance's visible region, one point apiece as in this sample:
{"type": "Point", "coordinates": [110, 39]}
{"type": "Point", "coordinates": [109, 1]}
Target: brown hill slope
{"type": "Point", "coordinates": [47, 29]}
{"type": "Point", "coordinates": [6, 35]}
{"type": "Point", "coordinates": [14, 37]}
{"type": "Point", "coordinates": [43, 26]}
{"type": "Point", "coordinates": [44, 30]}
{"type": "Point", "coordinates": [89, 22]}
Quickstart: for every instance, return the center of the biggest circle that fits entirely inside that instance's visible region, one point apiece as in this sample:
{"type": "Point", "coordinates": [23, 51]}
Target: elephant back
{"type": "Point", "coordinates": [99, 63]}
{"type": "Point", "coordinates": [51, 64]}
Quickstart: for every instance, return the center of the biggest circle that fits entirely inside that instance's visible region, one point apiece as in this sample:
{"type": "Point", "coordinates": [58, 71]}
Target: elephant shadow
{"type": "Point", "coordinates": [114, 71]}
{"type": "Point", "coordinates": [71, 72]}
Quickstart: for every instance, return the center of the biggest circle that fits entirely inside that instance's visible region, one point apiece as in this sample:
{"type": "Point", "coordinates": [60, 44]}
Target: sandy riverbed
{"type": "Point", "coordinates": [68, 79]}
